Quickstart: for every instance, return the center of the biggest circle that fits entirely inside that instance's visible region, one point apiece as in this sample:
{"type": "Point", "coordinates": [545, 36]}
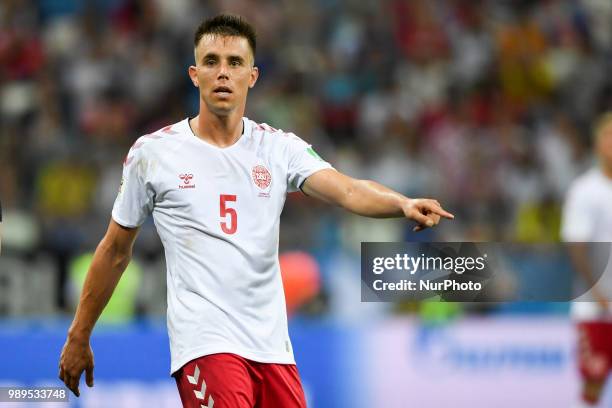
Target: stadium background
{"type": "Point", "coordinates": [485, 105]}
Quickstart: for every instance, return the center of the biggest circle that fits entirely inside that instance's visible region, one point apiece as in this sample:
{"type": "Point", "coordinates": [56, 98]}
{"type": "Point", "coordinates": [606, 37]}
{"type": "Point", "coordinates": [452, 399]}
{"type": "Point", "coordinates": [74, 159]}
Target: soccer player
{"type": "Point", "coordinates": [587, 217]}
{"type": "Point", "coordinates": [215, 185]}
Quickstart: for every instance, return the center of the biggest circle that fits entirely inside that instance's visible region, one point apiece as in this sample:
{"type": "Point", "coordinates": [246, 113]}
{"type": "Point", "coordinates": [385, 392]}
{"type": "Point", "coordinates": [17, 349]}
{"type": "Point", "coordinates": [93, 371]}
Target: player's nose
{"type": "Point", "coordinates": [223, 71]}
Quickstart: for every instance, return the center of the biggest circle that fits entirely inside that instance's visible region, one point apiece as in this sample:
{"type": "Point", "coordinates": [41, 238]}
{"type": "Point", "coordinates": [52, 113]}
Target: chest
{"type": "Point", "coordinates": [207, 185]}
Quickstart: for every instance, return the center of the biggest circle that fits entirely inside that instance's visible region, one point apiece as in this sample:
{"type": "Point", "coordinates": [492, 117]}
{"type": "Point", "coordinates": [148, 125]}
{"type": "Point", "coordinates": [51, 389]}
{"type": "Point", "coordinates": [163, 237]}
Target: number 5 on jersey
{"type": "Point", "coordinates": [228, 226]}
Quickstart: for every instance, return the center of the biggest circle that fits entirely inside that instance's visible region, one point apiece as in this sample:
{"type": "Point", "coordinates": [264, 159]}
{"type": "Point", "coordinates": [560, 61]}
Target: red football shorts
{"type": "Point", "coordinates": [230, 381]}
{"type": "Point", "coordinates": [595, 349]}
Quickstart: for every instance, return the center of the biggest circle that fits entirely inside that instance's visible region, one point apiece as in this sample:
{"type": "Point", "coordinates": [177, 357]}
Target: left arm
{"type": "Point", "coordinates": [371, 199]}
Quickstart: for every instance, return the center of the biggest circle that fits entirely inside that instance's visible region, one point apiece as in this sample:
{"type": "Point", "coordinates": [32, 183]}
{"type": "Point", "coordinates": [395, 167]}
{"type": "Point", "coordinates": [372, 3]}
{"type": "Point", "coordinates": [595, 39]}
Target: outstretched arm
{"type": "Point", "coordinates": [371, 199]}
{"type": "Point", "coordinates": [112, 256]}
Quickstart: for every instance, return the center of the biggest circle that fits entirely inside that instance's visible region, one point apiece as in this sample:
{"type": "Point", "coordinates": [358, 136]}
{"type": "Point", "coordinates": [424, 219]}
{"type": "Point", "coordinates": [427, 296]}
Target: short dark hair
{"type": "Point", "coordinates": [227, 25]}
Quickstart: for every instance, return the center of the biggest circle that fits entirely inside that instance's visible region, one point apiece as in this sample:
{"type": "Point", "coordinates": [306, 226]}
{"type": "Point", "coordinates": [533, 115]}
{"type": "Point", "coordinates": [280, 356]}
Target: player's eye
{"type": "Point", "coordinates": [209, 62]}
{"type": "Point", "coordinates": [235, 63]}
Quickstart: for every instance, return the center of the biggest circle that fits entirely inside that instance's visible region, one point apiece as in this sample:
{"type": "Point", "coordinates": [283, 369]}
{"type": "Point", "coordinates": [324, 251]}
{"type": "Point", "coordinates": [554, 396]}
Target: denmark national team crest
{"type": "Point", "coordinates": [261, 177]}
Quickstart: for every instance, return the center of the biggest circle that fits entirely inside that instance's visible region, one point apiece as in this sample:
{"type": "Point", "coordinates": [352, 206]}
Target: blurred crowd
{"type": "Point", "coordinates": [486, 105]}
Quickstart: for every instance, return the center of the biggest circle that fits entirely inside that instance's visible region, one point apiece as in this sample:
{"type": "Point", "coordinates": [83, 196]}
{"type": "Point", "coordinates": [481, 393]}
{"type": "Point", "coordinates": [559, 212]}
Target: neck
{"type": "Point", "coordinates": [222, 131]}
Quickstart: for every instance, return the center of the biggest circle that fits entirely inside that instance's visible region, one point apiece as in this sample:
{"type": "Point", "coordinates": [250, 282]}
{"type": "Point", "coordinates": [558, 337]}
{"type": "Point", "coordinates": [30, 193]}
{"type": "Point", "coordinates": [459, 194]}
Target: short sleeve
{"type": "Point", "coordinates": [303, 162]}
{"type": "Point", "coordinates": [136, 195]}
{"type": "Point", "coordinates": [578, 221]}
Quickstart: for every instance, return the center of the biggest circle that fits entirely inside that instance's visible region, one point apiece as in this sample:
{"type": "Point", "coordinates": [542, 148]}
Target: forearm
{"type": "Point", "coordinates": [371, 199]}
{"type": "Point", "coordinates": [104, 273]}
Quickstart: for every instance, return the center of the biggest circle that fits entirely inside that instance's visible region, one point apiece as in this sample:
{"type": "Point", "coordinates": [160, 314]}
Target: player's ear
{"type": "Point", "coordinates": [193, 74]}
{"type": "Point", "coordinates": [254, 76]}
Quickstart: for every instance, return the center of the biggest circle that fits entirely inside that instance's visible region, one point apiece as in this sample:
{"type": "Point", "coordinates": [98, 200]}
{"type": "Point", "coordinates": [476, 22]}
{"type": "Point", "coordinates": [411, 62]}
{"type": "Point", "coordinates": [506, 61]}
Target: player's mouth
{"type": "Point", "coordinates": [222, 91]}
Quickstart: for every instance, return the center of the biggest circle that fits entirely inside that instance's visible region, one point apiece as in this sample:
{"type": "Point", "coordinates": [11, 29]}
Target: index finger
{"type": "Point", "coordinates": [67, 381]}
{"type": "Point", "coordinates": [73, 384]}
{"type": "Point", "coordinates": [437, 209]}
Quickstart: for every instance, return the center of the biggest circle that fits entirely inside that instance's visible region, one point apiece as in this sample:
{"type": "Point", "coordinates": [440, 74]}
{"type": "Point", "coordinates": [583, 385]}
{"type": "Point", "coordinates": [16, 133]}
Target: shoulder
{"type": "Point", "coordinates": [586, 182]}
{"type": "Point", "coordinates": [164, 136]}
{"type": "Point", "coordinates": [270, 132]}
{"type": "Point", "coordinates": [263, 128]}
{"type": "Point", "coordinates": [158, 141]}
{"type": "Point", "coordinates": [271, 135]}
{"type": "Point", "coordinates": [583, 192]}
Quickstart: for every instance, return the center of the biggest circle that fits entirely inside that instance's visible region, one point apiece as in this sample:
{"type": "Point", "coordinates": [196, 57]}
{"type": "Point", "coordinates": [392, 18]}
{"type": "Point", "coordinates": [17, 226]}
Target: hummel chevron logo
{"type": "Point", "coordinates": [199, 394]}
{"type": "Point", "coordinates": [196, 375]}
{"type": "Point", "coordinates": [211, 403]}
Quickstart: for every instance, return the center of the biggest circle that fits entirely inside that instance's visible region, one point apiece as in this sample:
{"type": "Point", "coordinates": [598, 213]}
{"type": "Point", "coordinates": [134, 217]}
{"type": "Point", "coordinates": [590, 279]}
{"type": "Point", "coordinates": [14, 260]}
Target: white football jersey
{"type": "Point", "coordinates": [217, 212]}
{"type": "Point", "coordinates": [587, 217]}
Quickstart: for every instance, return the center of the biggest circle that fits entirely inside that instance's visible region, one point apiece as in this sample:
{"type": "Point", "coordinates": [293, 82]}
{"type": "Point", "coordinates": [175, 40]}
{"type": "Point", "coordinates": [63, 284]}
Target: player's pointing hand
{"type": "Point", "coordinates": [425, 212]}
